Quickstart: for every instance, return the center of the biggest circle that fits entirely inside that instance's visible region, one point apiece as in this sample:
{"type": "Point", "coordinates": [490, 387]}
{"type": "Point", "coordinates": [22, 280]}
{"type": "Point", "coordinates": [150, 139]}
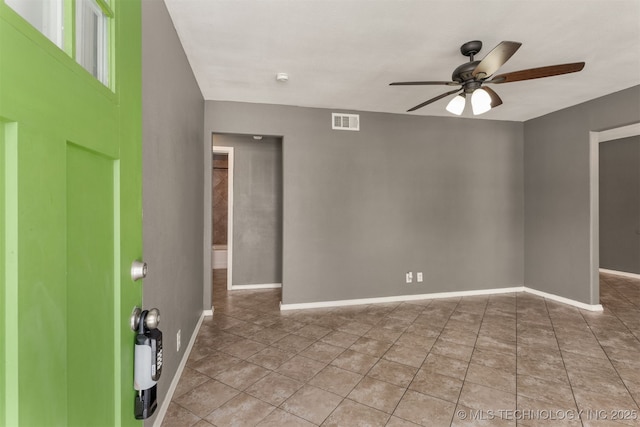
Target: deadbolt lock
{"type": "Point", "coordinates": [138, 270]}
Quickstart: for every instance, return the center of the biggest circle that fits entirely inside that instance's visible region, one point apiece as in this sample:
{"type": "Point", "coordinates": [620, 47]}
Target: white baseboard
{"type": "Point", "coordinates": [398, 298]}
{"type": "Point", "coordinates": [439, 295]}
{"type": "Point", "coordinates": [620, 273]}
{"type": "Point", "coordinates": [257, 286]}
{"type": "Point", "coordinates": [176, 378]}
{"type": "Point", "coordinates": [582, 305]}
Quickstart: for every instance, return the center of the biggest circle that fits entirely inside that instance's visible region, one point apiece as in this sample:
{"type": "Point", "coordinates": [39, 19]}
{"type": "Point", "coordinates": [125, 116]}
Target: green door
{"type": "Point", "coordinates": [70, 222]}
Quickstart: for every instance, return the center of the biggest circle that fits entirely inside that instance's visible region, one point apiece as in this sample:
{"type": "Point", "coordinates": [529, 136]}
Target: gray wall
{"type": "Point", "coordinates": [257, 211]}
{"type": "Point", "coordinates": [620, 205]}
{"type": "Point", "coordinates": [173, 181]}
{"type": "Point", "coordinates": [557, 193]}
{"type": "Point", "coordinates": [439, 195]}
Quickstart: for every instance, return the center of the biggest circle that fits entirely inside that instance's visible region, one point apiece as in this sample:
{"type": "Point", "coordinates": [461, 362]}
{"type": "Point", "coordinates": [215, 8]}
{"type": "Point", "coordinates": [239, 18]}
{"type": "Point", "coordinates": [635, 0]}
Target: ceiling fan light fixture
{"type": "Point", "coordinates": [471, 75]}
{"type": "Point", "coordinates": [456, 105]}
{"type": "Point", "coordinates": [480, 101]}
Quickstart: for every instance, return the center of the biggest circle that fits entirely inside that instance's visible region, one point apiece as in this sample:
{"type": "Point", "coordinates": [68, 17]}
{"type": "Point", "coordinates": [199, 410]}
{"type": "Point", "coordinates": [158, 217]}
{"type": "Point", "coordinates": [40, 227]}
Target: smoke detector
{"type": "Point", "coordinates": [282, 77]}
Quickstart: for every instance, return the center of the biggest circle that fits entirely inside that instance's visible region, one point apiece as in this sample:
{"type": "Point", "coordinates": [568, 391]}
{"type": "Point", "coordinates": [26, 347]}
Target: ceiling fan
{"type": "Point", "coordinates": [473, 74]}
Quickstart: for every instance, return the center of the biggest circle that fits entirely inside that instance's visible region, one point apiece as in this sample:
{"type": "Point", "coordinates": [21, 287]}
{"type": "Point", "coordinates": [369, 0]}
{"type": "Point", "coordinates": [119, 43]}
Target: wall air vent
{"type": "Point", "coordinates": [345, 121]}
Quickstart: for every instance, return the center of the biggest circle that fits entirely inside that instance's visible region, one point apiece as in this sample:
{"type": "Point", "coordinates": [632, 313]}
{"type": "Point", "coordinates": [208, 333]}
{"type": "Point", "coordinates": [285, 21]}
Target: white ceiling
{"type": "Point", "coordinates": [342, 54]}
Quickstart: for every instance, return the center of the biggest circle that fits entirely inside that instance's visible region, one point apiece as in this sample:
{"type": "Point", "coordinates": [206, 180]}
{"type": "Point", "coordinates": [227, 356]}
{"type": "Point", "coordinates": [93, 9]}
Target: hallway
{"type": "Point", "coordinates": [509, 359]}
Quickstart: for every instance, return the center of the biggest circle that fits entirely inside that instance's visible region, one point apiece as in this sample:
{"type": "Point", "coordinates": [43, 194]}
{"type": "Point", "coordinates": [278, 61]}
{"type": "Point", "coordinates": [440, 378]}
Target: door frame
{"type": "Point", "coordinates": [229, 152]}
{"type": "Point", "coordinates": [595, 139]}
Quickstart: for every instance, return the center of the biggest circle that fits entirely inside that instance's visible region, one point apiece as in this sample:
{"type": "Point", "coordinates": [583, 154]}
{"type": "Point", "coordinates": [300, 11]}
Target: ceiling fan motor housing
{"type": "Point", "coordinates": [464, 72]}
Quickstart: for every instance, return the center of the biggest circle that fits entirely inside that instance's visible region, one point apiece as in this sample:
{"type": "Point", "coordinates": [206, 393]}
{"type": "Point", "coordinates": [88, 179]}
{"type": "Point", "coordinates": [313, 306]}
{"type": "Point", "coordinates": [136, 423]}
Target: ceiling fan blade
{"type": "Point", "coordinates": [424, 83]}
{"type": "Point", "coordinates": [495, 59]}
{"type": "Point", "coordinates": [433, 100]}
{"type": "Point", "coordinates": [495, 99]}
{"type": "Point", "coordinates": [537, 73]}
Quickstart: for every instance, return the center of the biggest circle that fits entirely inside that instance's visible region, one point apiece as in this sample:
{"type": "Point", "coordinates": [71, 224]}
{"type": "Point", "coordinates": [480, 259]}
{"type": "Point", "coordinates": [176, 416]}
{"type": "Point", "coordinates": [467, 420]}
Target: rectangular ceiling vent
{"type": "Point", "coordinates": [345, 121]}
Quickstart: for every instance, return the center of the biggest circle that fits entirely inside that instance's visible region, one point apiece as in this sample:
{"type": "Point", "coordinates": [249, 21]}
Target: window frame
{"type": "Point", "coordinates": [103, 31]}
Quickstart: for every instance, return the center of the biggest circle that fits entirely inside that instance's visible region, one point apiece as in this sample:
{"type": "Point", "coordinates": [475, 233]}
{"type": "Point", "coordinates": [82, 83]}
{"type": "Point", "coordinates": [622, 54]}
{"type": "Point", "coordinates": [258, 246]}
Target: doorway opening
{"type": "Point", "coordinates": [246, 213]}
{"type": "Point", "coordinates": [596, 139]}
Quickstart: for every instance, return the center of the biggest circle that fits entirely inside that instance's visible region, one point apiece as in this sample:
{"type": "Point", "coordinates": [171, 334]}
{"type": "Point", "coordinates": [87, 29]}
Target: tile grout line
{"type": "Point", "coordinates": [614, 311]}
{"type": "Point", "coordinates": [555, 335]}
{"type": "Point", "coordinates": [369, 370]}
{"type": "Point", "coordinates": [249, 338]}
{"type": "Point", "coordinates": [304, 383]}
{"type": "Point", "coordinates": [418, 370]}
{"type": "Point", "coordinates": [307, 382]}
{"type": "Point", "coordinates": [391, 414]}
{"type": "Point", "coordinates": [607, 354]}
{"type": "Point", "coordinates": [270, 370]}
{"type": "Point", "coordinates": [425, 358]}
{"type": "Point", "coordinates": [455, 410]}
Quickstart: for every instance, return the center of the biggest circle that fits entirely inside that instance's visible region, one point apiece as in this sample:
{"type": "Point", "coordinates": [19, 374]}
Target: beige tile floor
{"type": "Point", "coordinates": [503, 360]}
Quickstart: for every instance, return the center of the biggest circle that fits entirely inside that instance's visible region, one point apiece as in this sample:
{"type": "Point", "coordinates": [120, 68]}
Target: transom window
{"type": "Point", "coordinates": [90, 23]}
{"type": "Point", "coordinates": [45, 15]}
{"type": "Point", "coordinates": [92, 39]}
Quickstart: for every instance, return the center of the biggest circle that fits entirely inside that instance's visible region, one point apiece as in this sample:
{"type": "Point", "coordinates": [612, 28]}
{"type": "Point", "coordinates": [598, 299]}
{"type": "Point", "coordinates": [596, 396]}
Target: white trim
{"type": "Point", "coordinates": [229, 152]}
{"type": "Point", "coordinates": [620, 273]}
{"type": "Point", "coordinates": [617, 133]}
{"type": "Point", "coordinates": [438, 295]}
{"type": "Point", "coordinates": [208, 313]}
{"type": "Point", "coordinates": [594, 215]}
{"type": "Point", "coordinates": [176, 378]}
{"type": "Point", "coordinates": [590, 307]}
{"type": "Point", "coordinates": [257, 286]}
{"type": "Point", "coordinates": [398, 298]}
{"type": "Point", "coordinates": [595, 138]}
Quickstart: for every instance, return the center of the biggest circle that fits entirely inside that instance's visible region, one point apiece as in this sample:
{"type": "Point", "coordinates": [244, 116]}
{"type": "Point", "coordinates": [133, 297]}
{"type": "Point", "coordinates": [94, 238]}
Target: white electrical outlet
{"type": "Point", "coordinates": [409, 277]}
{"type": "Point", "coordinates": [419, 276]}
{"type": "Point", "coordinates": [178, 340]}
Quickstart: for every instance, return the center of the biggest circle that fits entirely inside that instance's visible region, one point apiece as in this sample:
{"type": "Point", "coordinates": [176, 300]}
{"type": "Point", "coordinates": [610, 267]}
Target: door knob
{"type": "Point", "coordinates": [150, 318]}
